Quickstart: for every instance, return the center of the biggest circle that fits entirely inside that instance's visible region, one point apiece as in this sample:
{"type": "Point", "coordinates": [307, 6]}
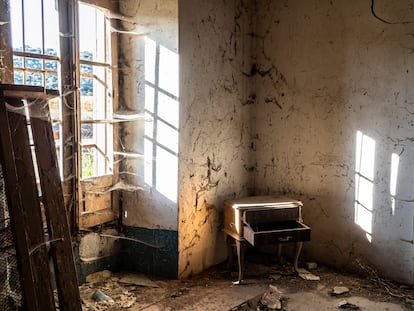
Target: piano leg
{"type": "Point", "coordinates": [240, 259]}
{"type": "Point", "coordinates": [296, 259]}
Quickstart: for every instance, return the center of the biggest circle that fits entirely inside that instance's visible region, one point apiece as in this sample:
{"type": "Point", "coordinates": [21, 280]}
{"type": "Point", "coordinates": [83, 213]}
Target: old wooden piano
{"type": "Point", "coordinates": [263, 220]}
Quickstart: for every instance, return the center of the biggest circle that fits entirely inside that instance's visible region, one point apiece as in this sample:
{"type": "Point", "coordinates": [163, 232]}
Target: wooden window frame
{"type": "Point", "coordinates": [73, 187]}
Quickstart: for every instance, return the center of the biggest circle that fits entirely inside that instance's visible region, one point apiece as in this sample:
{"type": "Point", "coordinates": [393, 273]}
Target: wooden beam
{"type": "Point", "coordinates": [56, 215]}
{"type": "Point", "coordinates": [15, 209]}
{"type": "Point", "coordinates": [14, 202]}
{"type": "Point", "coordinates": [27, 91]}
{"type": "Point", "coordinates": [92, 219]}
{"type": "Point", "coordinates": [33, 225]}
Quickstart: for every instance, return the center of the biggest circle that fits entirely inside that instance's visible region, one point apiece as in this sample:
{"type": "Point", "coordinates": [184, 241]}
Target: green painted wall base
{"type": "Point", "coordinates": [136, 256]}
{"type": "Point", "coordinates": [161, 261]}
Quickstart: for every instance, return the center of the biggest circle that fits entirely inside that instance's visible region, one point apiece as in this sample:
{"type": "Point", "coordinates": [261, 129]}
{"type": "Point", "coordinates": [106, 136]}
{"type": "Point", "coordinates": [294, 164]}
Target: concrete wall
{"type": "Point", "coordinates": [215, 124]}
{"type": "Point", "coordinates": [327, 70]}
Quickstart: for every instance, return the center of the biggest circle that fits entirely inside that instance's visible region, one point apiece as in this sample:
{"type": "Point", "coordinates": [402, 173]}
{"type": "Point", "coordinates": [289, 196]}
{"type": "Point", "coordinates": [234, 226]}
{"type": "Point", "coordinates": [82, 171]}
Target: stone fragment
{"type": "Point", "coordinates": [306, 275]}
{"type": "Point", "coordinates": [272, 298]}
{"type": "Point", "coordinates": [101, 296]}
{"type": "Point", "coordinates": [339, 290]}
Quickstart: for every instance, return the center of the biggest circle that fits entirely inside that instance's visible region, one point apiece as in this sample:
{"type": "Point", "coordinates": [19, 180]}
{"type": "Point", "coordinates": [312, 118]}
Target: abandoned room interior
{"type": "Point", "coordinates": [133, 132]}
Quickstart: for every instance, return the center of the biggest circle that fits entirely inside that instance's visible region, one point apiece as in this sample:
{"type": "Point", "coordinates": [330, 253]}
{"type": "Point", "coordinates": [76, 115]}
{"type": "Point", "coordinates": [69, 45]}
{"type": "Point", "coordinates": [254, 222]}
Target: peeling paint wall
{"type": "Point", "coordinates": [324, 71]}
{"type": "Point", "coordinates": [94, 246]}
{"type": "Point", "coordinates": [215, 124]}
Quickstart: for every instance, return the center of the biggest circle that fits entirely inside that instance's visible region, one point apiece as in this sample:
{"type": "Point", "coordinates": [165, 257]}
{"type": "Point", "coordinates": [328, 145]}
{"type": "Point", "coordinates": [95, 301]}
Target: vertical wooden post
{"type": "Point", "coordinates": [70, 111]}
{"type": "Point", "coordinates": [6, 75]}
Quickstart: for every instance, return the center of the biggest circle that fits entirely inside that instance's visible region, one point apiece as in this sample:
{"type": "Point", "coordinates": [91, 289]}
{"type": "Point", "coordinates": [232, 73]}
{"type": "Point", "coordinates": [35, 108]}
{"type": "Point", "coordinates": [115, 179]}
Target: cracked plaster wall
{"type": "Point", "coordinates": [310, 76]}
{"type": "Point", "coordinates": [215, 124]}
{"type": "Point", "coordinates": [272, 95]}
{"type": "Point", "coordinates": [325, 70]}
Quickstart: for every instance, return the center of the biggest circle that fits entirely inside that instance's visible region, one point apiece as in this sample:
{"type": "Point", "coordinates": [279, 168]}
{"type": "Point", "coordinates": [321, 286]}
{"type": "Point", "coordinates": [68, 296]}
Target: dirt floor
{"type": "Point", "coordinates": [213, 290]}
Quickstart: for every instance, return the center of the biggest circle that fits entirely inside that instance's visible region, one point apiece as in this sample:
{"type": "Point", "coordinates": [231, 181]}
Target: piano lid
{"type": "Point", "coordinates": [263, 201]}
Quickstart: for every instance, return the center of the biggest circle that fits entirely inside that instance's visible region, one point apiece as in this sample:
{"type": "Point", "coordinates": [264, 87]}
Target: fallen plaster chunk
{"type": "Point", "coordinates": [306, 275]}
{"type": "Point", "coordinates": [343, 304]}
{"type": "Point", "coordinates": [98, 276]}
{"type": "Point", "coordinates": [272, 299]}
{"type": "Point", "coordinates": [339, 290]}
{"type": "Point", "coordinates": [137, 279]}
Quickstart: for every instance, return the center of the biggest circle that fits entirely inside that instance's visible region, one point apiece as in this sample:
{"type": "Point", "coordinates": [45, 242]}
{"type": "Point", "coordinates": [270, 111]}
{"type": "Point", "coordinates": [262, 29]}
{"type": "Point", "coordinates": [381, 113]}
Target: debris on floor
{"type": "Point", "coordinates": [306, 275]}
{"type": "Point", "coordinates": [267, 287]}
{"type": "Point", "coordinates": [339, 290]}
{"type": "Point", "coordinates": [272, 298]}
{"type": "Point", "coordinates": [137, 279]}
{"type": "Point", "coordinates": [99, 276]}
{"type": "Point", "coordinates": [101, 296]}
{"type": "Point", "coordinates": [343, 304]}
{"type": "Point", "coordinates": [105, 292]}
{"type": "Point", "coordinates": [248, 305]}
{"type": "Point", "coordinates": [127, 300]}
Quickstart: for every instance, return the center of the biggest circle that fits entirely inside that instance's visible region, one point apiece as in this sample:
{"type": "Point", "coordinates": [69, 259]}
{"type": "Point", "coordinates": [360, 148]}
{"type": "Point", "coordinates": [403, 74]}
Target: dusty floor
{"type": "Point", "coordinates": [213, 290]}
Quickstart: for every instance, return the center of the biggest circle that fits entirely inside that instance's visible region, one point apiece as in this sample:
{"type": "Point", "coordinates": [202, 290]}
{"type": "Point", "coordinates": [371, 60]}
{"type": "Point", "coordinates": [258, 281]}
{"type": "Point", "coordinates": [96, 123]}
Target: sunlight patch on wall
{"type": "Point", "coordinates": [395, 161]}
{"type": "Point", "coordinates": [364, 182]}
{"type": "Point", "coordinates": [161, 110]}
